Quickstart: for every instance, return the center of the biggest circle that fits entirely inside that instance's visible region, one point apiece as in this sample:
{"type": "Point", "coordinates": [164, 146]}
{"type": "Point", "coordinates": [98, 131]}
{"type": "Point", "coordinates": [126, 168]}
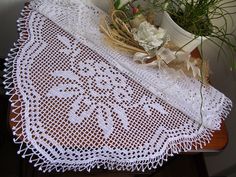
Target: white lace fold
{"type": "Point", "coordinates": [81, 19]}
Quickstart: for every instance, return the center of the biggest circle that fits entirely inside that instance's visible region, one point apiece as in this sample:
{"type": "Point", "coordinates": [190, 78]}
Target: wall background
{"type": "Point", "coordinates": [9, 12]}
{"type": "Point", "coordinates": [222, 163]}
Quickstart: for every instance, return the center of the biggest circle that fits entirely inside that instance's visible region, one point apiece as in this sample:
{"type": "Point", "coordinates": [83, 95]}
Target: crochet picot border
{"type": "Point", "coordinates": [27, 150]}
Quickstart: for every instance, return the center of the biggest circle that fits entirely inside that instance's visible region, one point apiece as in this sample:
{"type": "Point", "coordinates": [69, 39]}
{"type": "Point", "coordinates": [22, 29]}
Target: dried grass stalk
{"type": "Point", "coordinates": [118, 33]}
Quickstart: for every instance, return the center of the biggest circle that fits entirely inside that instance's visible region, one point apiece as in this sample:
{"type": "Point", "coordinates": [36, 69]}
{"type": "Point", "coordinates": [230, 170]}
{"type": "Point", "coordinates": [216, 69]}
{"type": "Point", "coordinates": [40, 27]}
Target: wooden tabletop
{"type": "Point", "coordinates": [218, 142]}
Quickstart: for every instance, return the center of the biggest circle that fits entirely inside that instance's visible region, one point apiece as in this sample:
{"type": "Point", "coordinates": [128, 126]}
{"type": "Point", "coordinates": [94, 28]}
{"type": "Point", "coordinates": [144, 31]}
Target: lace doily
{"type": "Point", "coordinates": [80, 105]}
{"type": "Point", "coordinates": [81, 20]}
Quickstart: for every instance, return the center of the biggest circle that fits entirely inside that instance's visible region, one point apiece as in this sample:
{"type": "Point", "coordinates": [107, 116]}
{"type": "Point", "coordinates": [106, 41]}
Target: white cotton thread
{"type": "Point", "coordinates": [44, 127]}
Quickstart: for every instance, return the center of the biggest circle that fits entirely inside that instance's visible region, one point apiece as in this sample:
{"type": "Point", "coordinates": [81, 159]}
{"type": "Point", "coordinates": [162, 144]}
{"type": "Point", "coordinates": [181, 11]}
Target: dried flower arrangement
{"type": "Point", "coordinates": [129, 28]}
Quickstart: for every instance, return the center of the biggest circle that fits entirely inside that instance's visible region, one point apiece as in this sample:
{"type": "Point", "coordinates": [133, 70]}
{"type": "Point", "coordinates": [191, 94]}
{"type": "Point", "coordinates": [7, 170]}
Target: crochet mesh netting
{"type": "Point", "coordinates": [79, 104]}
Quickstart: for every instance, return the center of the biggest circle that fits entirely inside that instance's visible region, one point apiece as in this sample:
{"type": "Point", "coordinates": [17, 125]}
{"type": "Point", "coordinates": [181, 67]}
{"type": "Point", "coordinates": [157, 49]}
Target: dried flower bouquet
{"type": "Point", "coordinates": [129, 28]}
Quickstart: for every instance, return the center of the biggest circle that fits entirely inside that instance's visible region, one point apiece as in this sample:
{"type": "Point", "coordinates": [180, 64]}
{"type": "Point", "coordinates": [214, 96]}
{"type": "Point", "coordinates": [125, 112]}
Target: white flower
{"type": "Point", "coordinates": [148, 36]}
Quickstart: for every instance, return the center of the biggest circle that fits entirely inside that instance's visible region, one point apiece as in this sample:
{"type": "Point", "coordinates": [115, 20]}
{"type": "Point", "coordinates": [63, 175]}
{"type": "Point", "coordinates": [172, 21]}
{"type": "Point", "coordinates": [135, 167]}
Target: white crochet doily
{"type": "Point", "coordinates": [79, 104]}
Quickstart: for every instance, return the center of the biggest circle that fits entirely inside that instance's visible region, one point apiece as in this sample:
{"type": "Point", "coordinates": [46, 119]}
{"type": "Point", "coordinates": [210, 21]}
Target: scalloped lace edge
{"type": "Point", "coordinates": [34, 156]}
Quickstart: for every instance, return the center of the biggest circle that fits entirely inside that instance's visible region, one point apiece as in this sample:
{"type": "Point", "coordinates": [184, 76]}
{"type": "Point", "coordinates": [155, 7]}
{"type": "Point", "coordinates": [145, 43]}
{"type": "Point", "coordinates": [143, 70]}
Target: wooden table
{"type": "Point", "coordinates": [218, 142]}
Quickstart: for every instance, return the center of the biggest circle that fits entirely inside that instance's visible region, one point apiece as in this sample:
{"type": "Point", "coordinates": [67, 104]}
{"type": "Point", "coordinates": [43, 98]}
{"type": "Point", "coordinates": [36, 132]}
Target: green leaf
{"type": "Point", "coordinates": [117, 4]}
{"type": "Point", "coordinates": [121, 3]}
